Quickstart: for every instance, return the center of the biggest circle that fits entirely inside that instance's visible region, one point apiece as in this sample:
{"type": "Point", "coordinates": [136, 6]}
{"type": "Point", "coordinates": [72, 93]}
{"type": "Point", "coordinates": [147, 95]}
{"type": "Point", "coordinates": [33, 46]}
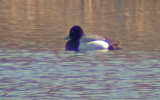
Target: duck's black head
{"type": "Point", "coordinates": [76, 32]}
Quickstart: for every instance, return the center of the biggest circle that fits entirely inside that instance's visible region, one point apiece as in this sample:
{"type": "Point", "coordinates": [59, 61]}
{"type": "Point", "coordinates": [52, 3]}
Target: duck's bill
{"type": "Point", "coordinates": [67, 37]}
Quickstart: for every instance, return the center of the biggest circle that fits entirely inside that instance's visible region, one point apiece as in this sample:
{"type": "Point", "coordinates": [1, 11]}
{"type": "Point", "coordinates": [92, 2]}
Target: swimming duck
{"type": "Point", "coordinates": [78, 41]}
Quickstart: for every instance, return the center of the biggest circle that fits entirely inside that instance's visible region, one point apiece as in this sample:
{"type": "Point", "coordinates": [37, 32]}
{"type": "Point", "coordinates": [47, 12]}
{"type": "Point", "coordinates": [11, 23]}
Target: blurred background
{"type": "Point", "coordinates": [35, 65]}
{"type": "Point", "coordinates": [39, 24]}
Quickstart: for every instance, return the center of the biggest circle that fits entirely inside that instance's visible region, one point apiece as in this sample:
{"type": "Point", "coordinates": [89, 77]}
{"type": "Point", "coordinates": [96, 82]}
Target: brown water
{"type": "Point", "coordinates": [35, 66]}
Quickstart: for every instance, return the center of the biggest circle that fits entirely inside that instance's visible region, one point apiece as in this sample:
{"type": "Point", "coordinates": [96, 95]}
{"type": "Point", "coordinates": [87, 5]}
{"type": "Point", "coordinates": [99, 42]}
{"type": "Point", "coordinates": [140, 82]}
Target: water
{"type": "Point", "coordinates": [35, 66]}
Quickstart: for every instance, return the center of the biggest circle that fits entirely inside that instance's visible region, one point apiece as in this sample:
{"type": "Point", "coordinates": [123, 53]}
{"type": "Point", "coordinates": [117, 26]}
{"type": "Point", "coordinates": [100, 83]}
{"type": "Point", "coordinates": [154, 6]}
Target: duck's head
{"type": "Point", "coordinates": [75, 33]}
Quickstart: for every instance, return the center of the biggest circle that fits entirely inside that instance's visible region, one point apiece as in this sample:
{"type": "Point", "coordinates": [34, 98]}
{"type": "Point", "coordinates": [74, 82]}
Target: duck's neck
{"type": "Point", "coordinates": [72, 45]}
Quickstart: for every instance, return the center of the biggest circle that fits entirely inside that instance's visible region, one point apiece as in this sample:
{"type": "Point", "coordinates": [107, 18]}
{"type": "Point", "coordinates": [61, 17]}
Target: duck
{"type": "Point", "coordinates": [77, 41]}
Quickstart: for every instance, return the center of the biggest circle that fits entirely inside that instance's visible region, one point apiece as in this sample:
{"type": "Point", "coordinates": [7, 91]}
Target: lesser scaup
{"type": "Point", "coordinates": [79, 41]}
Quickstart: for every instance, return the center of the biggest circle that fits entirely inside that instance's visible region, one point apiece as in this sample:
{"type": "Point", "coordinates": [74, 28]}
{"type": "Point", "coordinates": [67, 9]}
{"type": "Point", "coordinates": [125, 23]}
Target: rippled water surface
{"type": "Point", "coordinates": [35, 66]}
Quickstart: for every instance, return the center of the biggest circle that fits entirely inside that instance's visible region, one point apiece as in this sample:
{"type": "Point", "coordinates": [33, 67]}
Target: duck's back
{"type": "Point", "coordinates": [91, 37]}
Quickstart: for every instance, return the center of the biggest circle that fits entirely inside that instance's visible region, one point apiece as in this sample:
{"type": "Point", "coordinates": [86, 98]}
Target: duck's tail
{"type": "Point", "coordinates": [114, 46]}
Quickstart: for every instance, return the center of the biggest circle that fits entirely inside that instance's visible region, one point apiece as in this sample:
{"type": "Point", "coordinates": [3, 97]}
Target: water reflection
{"type": "Point", "coordinates": [34, 65]}
{"type": "Point", "coordinates": [45, 75]}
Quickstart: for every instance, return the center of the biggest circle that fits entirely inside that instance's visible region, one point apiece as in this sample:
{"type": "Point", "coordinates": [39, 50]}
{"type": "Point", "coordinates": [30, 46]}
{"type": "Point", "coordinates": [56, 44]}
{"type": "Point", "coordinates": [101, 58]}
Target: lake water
{"type": "Point", "coordinates": [35, 66]}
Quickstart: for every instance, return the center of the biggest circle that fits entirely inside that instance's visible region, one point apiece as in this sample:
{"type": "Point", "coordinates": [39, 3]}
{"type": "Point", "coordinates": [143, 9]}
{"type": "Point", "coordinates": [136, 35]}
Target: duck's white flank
{"type": "Point", "coordinates": [101, 43]}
